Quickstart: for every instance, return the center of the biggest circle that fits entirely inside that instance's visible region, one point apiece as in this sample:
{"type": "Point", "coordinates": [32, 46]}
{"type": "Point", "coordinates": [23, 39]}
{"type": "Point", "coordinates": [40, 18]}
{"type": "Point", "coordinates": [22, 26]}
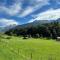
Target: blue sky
{"type": "Point", "coordinates": [26, 11]}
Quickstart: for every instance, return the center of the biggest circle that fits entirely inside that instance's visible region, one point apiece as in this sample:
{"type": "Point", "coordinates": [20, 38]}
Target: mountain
{"type": "Point", "coordinates": [34, 28]}
{"type": "Point", "coordinates": [34, 23]}
{"type": "Point", "coordinates": [58, 20]}
{"type": "Point", "coordinates": [6, 28]}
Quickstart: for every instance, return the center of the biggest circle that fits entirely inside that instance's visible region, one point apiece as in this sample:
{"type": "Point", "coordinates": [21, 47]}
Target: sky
{"type": "Point", "coordinates": [25, 11]}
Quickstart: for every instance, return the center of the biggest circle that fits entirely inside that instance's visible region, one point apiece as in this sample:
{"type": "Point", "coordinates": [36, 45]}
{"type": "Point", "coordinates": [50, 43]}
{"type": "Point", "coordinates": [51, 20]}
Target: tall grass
{"type": "Point", "coordinates": [16, 48]}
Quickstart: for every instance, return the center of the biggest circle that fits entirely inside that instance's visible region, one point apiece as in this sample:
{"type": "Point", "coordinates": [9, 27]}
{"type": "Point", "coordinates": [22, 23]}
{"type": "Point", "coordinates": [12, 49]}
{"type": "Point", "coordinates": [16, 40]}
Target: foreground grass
{"type": "Point", "coordinates": [30, 49]}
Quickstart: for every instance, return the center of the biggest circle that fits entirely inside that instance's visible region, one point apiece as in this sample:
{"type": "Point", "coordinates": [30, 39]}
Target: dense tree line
{"type": "Point", "coordinates": [49, 30]}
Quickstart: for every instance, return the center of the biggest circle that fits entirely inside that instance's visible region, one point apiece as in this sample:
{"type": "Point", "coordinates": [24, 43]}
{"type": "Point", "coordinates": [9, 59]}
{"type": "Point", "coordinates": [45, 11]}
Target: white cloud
{"type": "Point", "coordinates": [31, 20]}
{"type": "Point", "coordinates": [48, 15]}
{"type": "Point", "coordinates": [27, 11]}
{"type": "Point", "coordinates": [7, 22]}
{"type": "Point", "coordinates": [16, 7]}
{"type": "Point", "coordinates": [11, 10]}
{"type": "Point", "coordinates": [35, 4]}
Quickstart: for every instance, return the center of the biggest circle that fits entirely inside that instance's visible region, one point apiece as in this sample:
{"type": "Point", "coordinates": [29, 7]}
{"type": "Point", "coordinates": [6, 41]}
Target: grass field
{"type": "Point", "coordinates": [29, 49]}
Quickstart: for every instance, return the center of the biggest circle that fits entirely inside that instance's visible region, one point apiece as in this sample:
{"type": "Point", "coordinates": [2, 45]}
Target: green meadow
{"type": "Point", "coordinates": [17, 48]}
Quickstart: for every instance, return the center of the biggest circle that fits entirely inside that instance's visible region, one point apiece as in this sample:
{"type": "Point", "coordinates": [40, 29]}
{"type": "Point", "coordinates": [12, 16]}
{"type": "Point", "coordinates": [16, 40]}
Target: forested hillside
{"type": "Point", "coordinates": [36, 30]}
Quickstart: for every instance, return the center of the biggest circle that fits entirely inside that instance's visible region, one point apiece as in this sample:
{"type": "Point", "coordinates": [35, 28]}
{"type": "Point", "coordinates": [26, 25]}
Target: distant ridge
{"type": "Point", "coordinates": [6, 28]}
{"type": "Point", "coordinates": [34, 23]}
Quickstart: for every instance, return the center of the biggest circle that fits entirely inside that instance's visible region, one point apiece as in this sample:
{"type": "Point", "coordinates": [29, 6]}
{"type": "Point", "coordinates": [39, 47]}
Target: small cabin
{"type": "Point", "coordinates": [58, 38]}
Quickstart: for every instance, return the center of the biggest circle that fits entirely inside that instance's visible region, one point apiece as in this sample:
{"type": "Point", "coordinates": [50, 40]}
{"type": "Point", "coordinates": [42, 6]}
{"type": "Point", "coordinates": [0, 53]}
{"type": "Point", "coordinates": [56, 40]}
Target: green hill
{"type": "Point", "coordinates": [16, 48]}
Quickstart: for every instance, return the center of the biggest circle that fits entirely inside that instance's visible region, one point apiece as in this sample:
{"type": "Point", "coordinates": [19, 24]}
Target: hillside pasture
{"type": "Point", "coordinates": [17, 48]}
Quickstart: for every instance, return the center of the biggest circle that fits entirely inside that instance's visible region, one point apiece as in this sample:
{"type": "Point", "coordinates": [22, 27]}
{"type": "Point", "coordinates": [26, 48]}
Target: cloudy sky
{"type": "Point", "coordinates": [25, 11]}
